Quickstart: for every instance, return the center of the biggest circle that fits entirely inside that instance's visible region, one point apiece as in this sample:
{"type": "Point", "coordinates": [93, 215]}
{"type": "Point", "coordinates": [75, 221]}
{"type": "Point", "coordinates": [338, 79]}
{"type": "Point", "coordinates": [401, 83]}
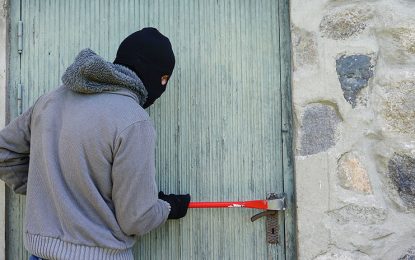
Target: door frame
{"type": "Point", "coordinates": [4, 58]}
{"type": "Point", "coordinates": [287, 130]}
{"type": "Point", "coordinates": [286, 120]}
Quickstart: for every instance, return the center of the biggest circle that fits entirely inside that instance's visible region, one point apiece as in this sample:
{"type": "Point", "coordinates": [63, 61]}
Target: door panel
{"type": "Point", "coordinates": [218, 124]}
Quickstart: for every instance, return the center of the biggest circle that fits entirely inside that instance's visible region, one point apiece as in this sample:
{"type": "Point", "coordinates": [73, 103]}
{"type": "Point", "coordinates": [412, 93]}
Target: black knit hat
{"type": "Point", "coordinates": [150, 55]}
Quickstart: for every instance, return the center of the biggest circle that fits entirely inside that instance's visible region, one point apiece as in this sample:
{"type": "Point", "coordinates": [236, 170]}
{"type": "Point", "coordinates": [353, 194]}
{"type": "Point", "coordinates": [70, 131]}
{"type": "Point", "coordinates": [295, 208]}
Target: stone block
{"type": "Point", "coordinates": [343, 24]}
{"type": "Point", "coordinates": [318, 128]}
{"type": "Point", "coordinates": [358, 214]}
{"type": "Point", "coordinates": [304, 47]}
{"type": "Point", "coordinates": [398, 106]}
{"type": "Point", "coordinates": [397, 45]}
{"type": "Point", "coordinates": [352, 174]}
{"type": "Point", "coordinates": [354, 72]}
{"type": "Point", "coordinates": [402, 173]}
{"type": "Point", "coordinates": [409, 255]}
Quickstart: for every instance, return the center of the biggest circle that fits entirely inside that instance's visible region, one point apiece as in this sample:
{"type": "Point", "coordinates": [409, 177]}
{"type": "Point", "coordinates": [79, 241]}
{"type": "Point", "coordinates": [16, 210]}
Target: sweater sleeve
{"type": "Point", "coordinates": [137, 207]}
{"type": "Point", "coordinates": [14, 152]}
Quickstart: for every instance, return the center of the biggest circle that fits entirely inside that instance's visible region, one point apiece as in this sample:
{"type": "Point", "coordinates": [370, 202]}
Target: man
{"type": "Point", "coordinates": [90, 180]}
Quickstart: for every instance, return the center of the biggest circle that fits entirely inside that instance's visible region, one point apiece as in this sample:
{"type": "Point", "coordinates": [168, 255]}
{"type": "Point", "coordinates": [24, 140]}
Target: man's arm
{"type": "Point", "coordinates": [15, 151]}
{"type": "Point", "coordinates": [137, 207]}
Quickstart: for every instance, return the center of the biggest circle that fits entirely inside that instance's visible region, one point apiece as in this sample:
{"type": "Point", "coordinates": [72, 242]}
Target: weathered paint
{"type": "Point", "coordinates": [3, 82]}
{"type": "Point", "coordinates": [287, 126]}
{"type": "Point", "coordinates": [219, 123]}
{"type": "Point", "coordinates": [14, 203]}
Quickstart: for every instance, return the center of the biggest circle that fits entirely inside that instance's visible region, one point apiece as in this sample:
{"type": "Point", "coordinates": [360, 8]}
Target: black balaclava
{"type": "Point", "coordinates": [149, 54]}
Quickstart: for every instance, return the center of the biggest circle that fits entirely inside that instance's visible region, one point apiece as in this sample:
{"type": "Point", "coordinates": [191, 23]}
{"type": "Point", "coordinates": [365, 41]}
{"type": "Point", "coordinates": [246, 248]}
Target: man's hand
{"type": "Point", "coordinates": [178, 204]}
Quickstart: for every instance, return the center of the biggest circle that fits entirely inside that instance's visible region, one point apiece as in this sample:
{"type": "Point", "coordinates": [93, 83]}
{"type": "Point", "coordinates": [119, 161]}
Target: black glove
{"type": "Point", "coordinates": [178, 204]}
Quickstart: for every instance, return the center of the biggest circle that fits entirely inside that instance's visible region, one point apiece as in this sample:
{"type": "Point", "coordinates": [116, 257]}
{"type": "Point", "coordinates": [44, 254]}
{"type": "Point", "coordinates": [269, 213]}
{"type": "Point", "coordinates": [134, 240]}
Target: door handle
{"type": "Point", "coordinates": [271, 206]}
{"type": "Point", "coordinates": [271, 222]}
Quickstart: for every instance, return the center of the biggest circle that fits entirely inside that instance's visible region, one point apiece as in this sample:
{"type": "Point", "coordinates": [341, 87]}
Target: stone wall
{"type": "Point", "coordinates": [354, 110]}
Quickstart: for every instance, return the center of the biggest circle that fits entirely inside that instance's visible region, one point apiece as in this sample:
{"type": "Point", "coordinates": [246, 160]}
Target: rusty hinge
{"type": "Point", "coordinates": [19, 98]}
{"type": "Point", "coordinates": [20, 37]}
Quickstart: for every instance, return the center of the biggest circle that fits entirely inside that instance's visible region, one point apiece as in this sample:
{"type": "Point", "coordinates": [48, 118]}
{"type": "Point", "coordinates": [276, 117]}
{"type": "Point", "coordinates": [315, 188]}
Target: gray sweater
{"type": "Point", "coordinates": [85, 155]}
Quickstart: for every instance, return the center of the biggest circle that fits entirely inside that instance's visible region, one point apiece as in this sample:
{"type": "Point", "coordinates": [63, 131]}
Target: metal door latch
{"type": "Point", "coordinates": [276, 202]}
{"type": "Point", "coordinates": [271, 205]}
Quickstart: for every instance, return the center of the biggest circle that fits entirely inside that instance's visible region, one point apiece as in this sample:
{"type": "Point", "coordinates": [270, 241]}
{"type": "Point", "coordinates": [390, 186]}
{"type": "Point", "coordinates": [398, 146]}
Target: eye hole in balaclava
{"type": "Point", "coordinates": [150, 55]}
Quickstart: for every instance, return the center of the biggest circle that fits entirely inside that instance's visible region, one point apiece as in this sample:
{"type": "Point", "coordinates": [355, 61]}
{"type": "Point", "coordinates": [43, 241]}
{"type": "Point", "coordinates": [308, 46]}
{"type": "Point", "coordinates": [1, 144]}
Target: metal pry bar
{"type": "Point", "coordinates": [277, 204]}
{"type": "Point", "coordinates": [271, 204]}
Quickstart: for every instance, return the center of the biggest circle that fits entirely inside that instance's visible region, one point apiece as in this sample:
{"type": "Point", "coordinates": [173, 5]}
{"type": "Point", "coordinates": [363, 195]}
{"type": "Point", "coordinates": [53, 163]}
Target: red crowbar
{"type": "Point", "coordinates": [270, 204]}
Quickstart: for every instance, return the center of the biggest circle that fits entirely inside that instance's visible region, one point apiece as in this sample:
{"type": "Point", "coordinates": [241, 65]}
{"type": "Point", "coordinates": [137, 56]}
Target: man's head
{"type": "Point", "coordinates": [149, 54]}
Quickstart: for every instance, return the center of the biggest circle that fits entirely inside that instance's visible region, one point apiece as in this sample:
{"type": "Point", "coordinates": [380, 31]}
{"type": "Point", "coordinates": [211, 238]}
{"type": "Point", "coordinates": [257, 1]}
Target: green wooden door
{"type": "Point", "coordinates": [223, 125]}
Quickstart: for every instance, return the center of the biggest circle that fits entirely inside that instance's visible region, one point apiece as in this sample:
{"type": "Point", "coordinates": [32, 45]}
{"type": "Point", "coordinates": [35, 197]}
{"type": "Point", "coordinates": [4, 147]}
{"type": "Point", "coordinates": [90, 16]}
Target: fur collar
{"type": "Point", "coordinates": [91, 74]}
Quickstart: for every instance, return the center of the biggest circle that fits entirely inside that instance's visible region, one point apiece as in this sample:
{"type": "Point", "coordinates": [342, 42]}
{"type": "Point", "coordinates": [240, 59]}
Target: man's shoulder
{"type": "Point", "coordinates": [119, 108]}
{"type": "Point", "coordinates": [123, 105]}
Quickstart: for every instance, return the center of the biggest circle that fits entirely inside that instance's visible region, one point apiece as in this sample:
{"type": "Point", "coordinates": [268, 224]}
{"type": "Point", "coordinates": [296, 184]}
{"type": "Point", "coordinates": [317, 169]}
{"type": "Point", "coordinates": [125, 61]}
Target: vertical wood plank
{"type": "Point", "coordinates": [4, 91]}
{"type": "Point", "coordinates": [287, 130]}
{"type": "Point", "coordinates": [14, 203]}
